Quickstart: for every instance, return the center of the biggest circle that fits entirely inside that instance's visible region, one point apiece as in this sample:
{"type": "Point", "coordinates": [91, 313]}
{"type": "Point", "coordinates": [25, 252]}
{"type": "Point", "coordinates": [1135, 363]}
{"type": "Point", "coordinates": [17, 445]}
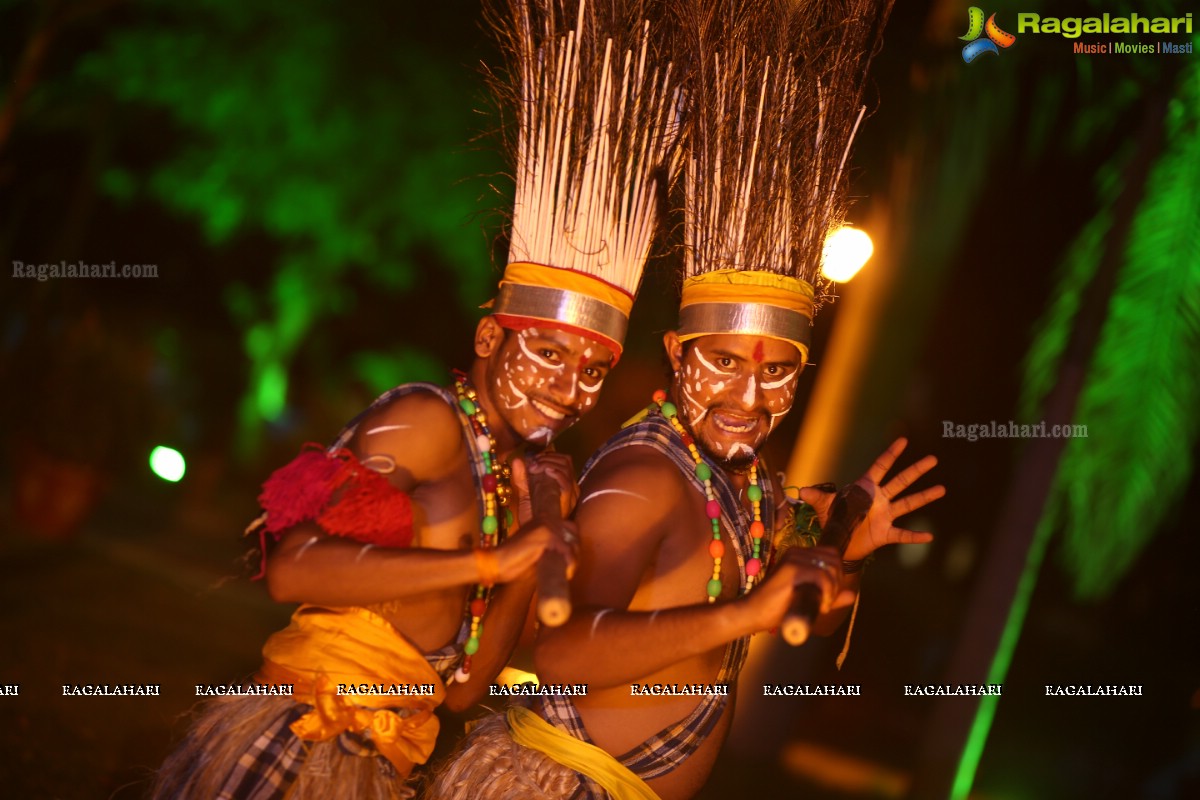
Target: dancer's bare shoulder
{"type": "Point", "coordinates": [421, 435]}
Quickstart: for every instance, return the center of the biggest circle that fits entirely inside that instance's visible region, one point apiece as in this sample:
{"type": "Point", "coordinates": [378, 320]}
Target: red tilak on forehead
{"type": "Point", "coordinates": [758, 352]}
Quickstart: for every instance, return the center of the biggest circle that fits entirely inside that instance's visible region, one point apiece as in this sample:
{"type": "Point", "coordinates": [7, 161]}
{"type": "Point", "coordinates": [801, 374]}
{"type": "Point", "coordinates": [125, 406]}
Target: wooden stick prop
{"type": "Point", "coordinates": [849, 510]}
{"type": "Point", "coordinates": [554, 596]}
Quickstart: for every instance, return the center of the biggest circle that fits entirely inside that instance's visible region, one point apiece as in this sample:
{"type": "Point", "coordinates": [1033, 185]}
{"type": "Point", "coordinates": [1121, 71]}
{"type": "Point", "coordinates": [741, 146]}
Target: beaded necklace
{"type": "Point", "coordinates": [495, 489]}
{"type": "Point", "coordinates": [712, 508]}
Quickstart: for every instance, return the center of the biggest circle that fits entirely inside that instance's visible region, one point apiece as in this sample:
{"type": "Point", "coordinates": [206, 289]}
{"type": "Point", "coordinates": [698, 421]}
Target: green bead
{"type": "Point", "coordinates": [669, 410]}
{"type": "Point", "coordinates": [467, 406]}
{"type": "Point", "coordinates": [471, 647]}
{"type": "Point", "coordinates": [509, 519]}
{"type": "Point", "coordinates": [490, 524]}
{"type": "Point", "coordinates": [754, 493]}
{"type": "Point", "coordinates": [716, 525]}
{"type": "Point", "coordinates": [714, 588]}
{"type": "Point", "coordinates": [703, 472]}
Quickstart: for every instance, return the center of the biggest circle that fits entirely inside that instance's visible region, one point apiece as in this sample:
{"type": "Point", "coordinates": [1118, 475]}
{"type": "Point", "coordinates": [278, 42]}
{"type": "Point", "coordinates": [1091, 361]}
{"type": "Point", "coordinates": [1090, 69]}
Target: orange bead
{"type": "Point", "coordinates": [757, 530]}
{"type": "Point", "coordinates": [716, 548]}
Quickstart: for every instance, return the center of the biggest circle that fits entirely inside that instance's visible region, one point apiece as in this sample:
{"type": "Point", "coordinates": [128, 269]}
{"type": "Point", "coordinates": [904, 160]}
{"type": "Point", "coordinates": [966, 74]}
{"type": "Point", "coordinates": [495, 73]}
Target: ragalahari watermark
{"type": "Point", "coordinates": [56, 270]}
{"type": "Point", "coordinates": [1011, 430]}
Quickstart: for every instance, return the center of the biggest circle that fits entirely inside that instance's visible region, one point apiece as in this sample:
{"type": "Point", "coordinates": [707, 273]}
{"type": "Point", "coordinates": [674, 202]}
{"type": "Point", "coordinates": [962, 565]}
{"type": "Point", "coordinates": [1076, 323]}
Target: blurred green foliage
{"type": "Point", "coordinates": [340, 131]}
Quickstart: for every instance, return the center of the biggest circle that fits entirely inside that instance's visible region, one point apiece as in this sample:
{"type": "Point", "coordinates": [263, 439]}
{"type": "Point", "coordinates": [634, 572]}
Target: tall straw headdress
{"type": "Point", "coordinates": [774, 92]}
{"type": "Point", "coordinates": [596, 118]}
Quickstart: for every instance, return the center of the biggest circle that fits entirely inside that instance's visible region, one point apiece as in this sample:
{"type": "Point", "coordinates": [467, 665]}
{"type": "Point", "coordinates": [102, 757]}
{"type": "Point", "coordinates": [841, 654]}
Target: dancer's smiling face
{"type": "Point", "coordinates": [542, 380]}
{"type": "Point", "coordinates": [733, 389]}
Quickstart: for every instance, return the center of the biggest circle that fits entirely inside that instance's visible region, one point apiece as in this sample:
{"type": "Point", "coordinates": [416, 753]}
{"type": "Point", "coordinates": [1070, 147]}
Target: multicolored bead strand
{"type": "Point", "coordinates": [493, 486]}
{"type": "Point", "coordinates": [712, 507]}
{"type": "Point", "coordinates": [754, 493]}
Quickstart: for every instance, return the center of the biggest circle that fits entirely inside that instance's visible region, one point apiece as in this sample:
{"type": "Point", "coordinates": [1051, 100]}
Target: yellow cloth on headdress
{"type": "Point", "coordinates": [576, 302]}
{"type": "Point", "coordinates": [526, 274]}
{"type": "Point", "coordinates": [324, 647]}
{"type": "Point", "coordinates": [530, 730]}
{"type": "Point", "coordinates": [749, 286]}
{"type": "Point", "coordinates": [747, 302]}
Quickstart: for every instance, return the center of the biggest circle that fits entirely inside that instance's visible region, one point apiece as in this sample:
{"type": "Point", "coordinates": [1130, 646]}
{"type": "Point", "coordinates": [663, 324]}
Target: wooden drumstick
{"type": "Point", "coordinates": [849, 509]}
{"type": "Point", "coordinates": [554, 594]}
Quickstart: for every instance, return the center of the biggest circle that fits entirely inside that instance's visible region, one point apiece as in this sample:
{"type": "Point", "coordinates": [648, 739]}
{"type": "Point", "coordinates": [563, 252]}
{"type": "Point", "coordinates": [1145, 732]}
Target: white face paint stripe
{"type": "Point", "coordinates": [536, 358]}
{"type": "Point", "coordinates": [519, 394]}
{"type": "Point", "coordinates": [698, 409]}
{"type": "Point", "coordinates": [781, 381]}
{"type": "Point", "coordinates": [701, 359]}
{"type": "Point", "coordinates": [748, 396]}
{"type": "Point", "coordinates": [305, 546]}
{"type": "Point", "coordinates": [383, 428]}
{"type": "Point", "coordinates": [775, 419]}
{"type": "Point", "coordinates": [612, 491]}
{"type": "Point", "coordinates": [590, 389]}
{"type": "Point", "coordinates": [362, 552]}
{"type": "Point", "coordinates": [738, 447]}
{"type": "Point", "coordinates": [596, 620]}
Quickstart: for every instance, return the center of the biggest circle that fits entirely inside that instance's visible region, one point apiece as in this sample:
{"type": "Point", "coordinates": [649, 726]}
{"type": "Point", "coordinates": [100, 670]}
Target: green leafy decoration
{"type": "Point", "coordinates": [1141, 398]}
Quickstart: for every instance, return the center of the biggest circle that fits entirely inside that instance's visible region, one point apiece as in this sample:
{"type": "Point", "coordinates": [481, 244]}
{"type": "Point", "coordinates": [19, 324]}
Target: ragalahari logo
{"type": "Point", "coordinates": [995, 40]}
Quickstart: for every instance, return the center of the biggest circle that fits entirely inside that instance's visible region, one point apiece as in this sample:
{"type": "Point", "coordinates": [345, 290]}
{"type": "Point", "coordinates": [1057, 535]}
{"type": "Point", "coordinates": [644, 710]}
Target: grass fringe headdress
{"type": "Point", "coordinates": [596, 130]}
{"type": "Point", "coordinates": [774, 92]}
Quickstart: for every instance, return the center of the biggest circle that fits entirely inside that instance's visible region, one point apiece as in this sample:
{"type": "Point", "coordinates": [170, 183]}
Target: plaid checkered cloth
{"type": "Point", "coordinates": [670, 747]}
{"type": "Point", "coordinates": [269, 768]}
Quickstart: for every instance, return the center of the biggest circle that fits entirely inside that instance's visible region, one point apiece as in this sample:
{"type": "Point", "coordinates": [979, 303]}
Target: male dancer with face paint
{"type": "Point", "coordinates": [658, 589]}
{"type": "Point", "coordinates": [397, 529]}
{"type": "Point", "coordinates": [657, 603]}
{"type": "Point", "coordinates": [677, 513]}
{"type": "Point", "coordinates": [383, 600]}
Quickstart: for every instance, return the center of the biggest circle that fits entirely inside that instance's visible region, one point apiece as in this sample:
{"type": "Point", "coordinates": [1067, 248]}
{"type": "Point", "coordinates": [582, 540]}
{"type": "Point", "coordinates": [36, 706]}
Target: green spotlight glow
{"type": "Point", "coordinates": [272, 391]}
{"type": "Point", "coordinates": [968, 763]}
{"type": "Point", "coordinates": [167, 463]}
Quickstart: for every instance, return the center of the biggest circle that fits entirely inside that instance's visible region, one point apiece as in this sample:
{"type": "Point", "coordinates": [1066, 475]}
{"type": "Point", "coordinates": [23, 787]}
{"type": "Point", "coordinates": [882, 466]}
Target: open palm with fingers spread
{"type": "Point", "coordinates": [879, 528]}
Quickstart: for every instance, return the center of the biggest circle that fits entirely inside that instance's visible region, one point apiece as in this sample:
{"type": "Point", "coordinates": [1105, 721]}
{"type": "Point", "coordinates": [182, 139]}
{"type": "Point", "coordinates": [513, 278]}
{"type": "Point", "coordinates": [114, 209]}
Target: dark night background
{"type": "Point", "coordinates": [307, 181]}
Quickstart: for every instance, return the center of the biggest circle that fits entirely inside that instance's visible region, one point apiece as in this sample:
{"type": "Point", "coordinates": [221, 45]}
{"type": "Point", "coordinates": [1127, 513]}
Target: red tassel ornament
{"type": "Point", "coordinates": [341, 495]}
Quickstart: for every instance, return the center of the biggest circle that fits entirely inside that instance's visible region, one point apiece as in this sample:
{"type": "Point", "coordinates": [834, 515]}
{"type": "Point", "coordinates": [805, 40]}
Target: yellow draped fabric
{"type": "Point", "coordinates": [324, 647]}
{"type": "Point", "coordinates": [530, 730]}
